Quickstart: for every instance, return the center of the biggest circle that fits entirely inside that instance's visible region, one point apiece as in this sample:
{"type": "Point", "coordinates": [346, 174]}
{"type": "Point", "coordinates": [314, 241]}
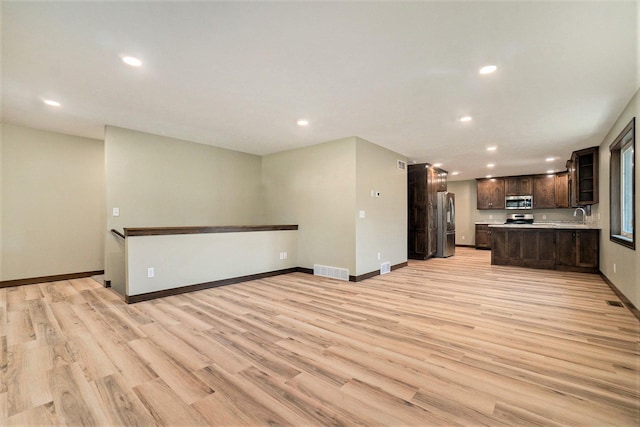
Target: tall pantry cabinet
{"type": "Point", "coordinates": [424, 182]}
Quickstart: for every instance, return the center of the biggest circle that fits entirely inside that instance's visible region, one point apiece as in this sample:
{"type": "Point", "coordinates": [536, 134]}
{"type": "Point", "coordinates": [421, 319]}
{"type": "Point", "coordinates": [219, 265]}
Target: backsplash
{"type": "Point", "coordinates": [539, 215]}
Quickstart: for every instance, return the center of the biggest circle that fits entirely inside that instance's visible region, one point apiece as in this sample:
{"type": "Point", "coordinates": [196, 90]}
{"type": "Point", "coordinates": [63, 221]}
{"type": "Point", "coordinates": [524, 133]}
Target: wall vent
{"type": "Point", "coordinates": [402, 164]}
{"type": "Point", "coordinates": [385, 268]}
{"type": "Point", "coordinates": [332, 272]}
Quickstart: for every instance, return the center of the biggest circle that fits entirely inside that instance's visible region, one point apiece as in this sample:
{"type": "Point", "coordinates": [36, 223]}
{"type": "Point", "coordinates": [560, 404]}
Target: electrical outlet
{"type": "Point", "coordinates": [544, 217]}
{"type": "Point", "coordinates": [490, 216]}
{"type": "Point", "coordinates": [378, 256]}
{"type": "Point", "coordinates": [462, 237]}
{"type": "Point", "coordinates": [362, 214]}
{"type": "Point", "coordinates": [151, 272]}
{"type": "Point", "coordinates": [284, 254]}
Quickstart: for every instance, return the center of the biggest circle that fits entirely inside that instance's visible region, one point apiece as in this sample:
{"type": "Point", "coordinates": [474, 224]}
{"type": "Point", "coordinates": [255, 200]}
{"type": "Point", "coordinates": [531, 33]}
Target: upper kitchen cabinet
{"type": "Point", "coordinates": [544, 191]}
{"type": "Point", "coordinates": [583, 177]}
{"type": "Point", "coordinates": [441, 180]}
{"type": "Point", "coordinates": [518, 185]}
{"type": "Point", "coordinates": [491, 193]}
{"type": "Point", "coordinates": [562, 190]}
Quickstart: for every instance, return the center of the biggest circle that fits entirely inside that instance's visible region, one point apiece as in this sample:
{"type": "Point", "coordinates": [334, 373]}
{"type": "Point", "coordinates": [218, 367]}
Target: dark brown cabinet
{"type": "Point", "coordinates": [562, 190]}
{"type": "Point", "coordinates": [578, 249]}
{"type": "Point", "coordinates": [583, 177]}
{"type": "Point", "coordinates": [499, 248]}
{"type": "Point", "coordinates": [544, 191]}
{"type": "Point", "coordinates": [483, 236]}
{"type": "Point", "coordinates": [518, 185]}
{"type": "Point", "coordinates": [549, 191]}
{"type": "Point", "coordinates": [523, 247]}
{"type": "Point", "coordinates": [490, 193]}
{"type": "Point", "coordinates": [424, 182]}
{"type": "Point", "coordinates": [572, 250]}
{"type": "Point", "coordinates": [440, 179]}
{"type": "Point", "coordinates": [541, 252]}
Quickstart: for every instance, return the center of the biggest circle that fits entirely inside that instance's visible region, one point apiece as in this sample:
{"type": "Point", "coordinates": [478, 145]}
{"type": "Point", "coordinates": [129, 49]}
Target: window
{"type": "Point", "coordinates": [622, 190]}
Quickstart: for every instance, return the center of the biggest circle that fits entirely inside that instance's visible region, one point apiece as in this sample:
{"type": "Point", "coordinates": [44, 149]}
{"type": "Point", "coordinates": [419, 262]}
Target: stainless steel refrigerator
{"type": "Point", "coordinates": [446, 224]}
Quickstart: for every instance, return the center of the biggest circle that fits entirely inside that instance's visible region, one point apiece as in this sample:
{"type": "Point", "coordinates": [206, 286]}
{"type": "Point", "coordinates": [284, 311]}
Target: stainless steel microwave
{"type": "Point", "coordinates": [519, 202]}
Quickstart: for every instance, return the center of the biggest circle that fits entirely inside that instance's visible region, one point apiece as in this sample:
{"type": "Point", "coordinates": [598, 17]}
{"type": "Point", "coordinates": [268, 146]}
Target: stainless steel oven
{"type": "Point", "coordinates": [519, 202]}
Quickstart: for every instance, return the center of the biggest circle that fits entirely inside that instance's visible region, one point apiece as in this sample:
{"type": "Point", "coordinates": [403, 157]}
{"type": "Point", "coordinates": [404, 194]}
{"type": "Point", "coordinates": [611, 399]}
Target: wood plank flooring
{"type": "Point", "coordinates": [441, 342]}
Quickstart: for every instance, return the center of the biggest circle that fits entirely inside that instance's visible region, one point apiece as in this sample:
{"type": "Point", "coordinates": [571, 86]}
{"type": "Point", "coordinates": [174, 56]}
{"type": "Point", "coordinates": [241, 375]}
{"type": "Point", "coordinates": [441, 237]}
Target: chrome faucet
{"type": "Point", "coordinates": [584, 214]}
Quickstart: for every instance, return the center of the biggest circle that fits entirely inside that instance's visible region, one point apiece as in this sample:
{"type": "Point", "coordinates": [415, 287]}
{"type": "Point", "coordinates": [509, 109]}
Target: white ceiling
{"type": "Point", "coordinates": [238, 75]}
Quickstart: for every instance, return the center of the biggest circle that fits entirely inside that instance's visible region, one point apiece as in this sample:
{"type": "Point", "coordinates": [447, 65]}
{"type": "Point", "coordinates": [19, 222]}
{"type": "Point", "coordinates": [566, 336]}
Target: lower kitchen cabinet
{"type": "Point", "coordinates": [483, 236]}
{"type": "Point", "coordinates": [499, 247]}
{"type": "Point", "coordinates": [578, 250]}
{"type": "Point", "coordinates": [525, 248]}
{"type": "Point", "coordinates": [548, 248]}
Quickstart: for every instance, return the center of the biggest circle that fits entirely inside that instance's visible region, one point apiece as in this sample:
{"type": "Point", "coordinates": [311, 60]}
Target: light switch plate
{"type": "Point", "coordinates": [116, 211]}
{"type": "Point", "coordinates": [362, 215]}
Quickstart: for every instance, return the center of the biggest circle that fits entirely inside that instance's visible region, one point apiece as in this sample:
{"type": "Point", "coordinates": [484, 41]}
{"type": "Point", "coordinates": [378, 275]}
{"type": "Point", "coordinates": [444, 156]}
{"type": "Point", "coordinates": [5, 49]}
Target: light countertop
{"type": "Point", "coordinates": [554, 225]}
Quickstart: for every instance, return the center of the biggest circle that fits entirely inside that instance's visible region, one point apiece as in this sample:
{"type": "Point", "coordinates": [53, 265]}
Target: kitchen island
{"type": "Point", "coordinates": [553, 246]}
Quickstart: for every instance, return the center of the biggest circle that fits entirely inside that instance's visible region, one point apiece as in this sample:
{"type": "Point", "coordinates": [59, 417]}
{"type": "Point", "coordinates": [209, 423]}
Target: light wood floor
{"type": "Point", "coordinates": [442, 342]}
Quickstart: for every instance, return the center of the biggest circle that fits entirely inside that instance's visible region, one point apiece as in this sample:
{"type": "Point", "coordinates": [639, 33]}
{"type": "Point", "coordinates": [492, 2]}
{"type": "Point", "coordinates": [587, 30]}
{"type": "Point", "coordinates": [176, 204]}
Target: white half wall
{"type": "Point", "coordinates": [157, 181]}
{"type": "Point", "coordinates": [191, 259]}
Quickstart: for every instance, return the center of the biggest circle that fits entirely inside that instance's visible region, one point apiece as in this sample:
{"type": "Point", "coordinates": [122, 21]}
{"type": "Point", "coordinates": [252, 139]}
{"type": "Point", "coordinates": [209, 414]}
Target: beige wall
{"type": "Point", "coordinates": [627, 261]}
{"type": "Point", "coordinates": [314, 187]}
{"type": "Point", "coordinates": [465, 192]}
{"type": "Point", "coordinates": [52, 215]}
{"type": "Point", "coordinates": [1, 169]}
{"type": "Point", "coordinates": [384, 228]}
{"type": "Point", "coordinates": [190, 259]}
{"type": "Point", "coordinates": [160, 181]}
{"type": "Point", "coordinates": [467, 214]}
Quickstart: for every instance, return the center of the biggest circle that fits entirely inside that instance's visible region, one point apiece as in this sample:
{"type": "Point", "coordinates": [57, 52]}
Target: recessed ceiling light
{"type": "Point", "coordinates": [52, 103]}
{"type": "Point", "coordinates": [550, 159]}
{"type": "Point", "coordinates": [492, 148]}
{"type": "Point", "coordinates": [488, 176]}
{"type": "Point", "coordinates": [455, 173]}
{"type": "Point", "coordinates": [437, 165]}
{"type": "Point", "coordinates": [551, 171]}
{"type": "Point", "coordinates": [302, 122]}
{"type": "Point", "coordinates": [490, 165]}
{"type": "Point", "coordinates": [465, 119]}
{"type": "Point", "coordinates": [488, 69]}
{"type": "Point", "coordinates": [130, 60]}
